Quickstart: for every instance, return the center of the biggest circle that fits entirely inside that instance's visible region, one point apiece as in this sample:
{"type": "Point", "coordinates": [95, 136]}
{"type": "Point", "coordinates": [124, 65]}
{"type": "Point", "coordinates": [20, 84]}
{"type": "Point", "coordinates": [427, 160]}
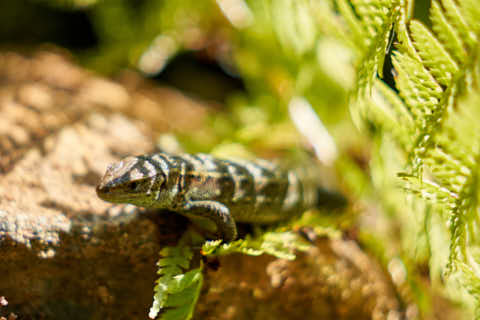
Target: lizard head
{"type": "Point", "coordinates": [134, 180]}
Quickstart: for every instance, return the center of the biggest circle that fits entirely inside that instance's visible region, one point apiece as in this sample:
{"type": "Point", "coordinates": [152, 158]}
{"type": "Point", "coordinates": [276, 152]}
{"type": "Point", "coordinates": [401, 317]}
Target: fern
{"type": "Point", "coordinates": [453, 170]}
{"type": "Point", "coordinates": [281, 244]}
{"type": "Point", "coordinates": [433, 120]}
{"type": "Point", "coordinates": [451, 166]}
{"type": "Point", "coordinates": [176, 290]}
{"type": "Point", "coordinates": [370, 23]}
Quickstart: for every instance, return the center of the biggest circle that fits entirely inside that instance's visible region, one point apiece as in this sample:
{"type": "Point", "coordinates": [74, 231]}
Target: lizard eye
{"type": "Point", "coordinates": [133, 185]}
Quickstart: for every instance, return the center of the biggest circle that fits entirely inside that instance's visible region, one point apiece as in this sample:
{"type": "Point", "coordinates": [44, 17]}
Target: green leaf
{"type": "Point", "coordinates": [447, 33]}
{"type": "Point", "coordinates": [377, 18]}
{"type": "Point", "coordinates": [417, 87]}
{"type": "Point", "coordinates": [181, 296]}
{"type": "Point", "coordinates": [281, 244]}
{"type": "Point", "coordinates": [354, 25]}
{"type": "Point", "coordinates": [458, 19]}
{"type": "Point", "coordinates": [176, 289]}
{"type": "Point", "coordinates": [387, 110]}
{"type": "Point", "coordinates": [294, 25]}
{"type": "Point", "coordinates": [181, 305]}
{"type": "Point", "coordinates": [471, 280]}
{"type": "Point", "coordinates": [471, 12]}
{"type": "Point", "coordinates": [434, 56]}
{"type": "Point", "coordinates": [428, 190]}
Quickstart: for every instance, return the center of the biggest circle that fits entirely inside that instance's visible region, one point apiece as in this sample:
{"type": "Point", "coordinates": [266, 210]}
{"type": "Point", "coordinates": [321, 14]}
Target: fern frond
{"type": "Point", "coordinates": [180, 304]}
{"type": "Point", "coordinates": [375, 19]}
{"type": "Point", "coordinates": [452, 180]}
{"type": "Point", "coordinates": [431, 70]}
{"type": "Point", "coordinates": [280, 244]}
{"type": "Point", "coordinates": [433, 54]}
{"type": "Point", "coordinates": [458, 18]}
{"type": "Point", "coordinates": [447, 33]}
{"type": "Point", "coordinates": [294, 25]}
{"type": "Point", "coordinates": [427, 190]}
{"type": "Point", "coordinates": [471, 11]}
{"type": "Point", "coordinates": [437, 79]}
{"type": "Point", "coordinates": [418, 88]}
{"type": "Point", "coordinates": [454, 163]}
{"type": "Point", "coordinates": [353, 23]}
{"type": "Point", "coordinates": [391, 106]}
{"type": "Point", "coordinates": [471, 280]}
{"type": "Point", "coordinates": [176, 290]}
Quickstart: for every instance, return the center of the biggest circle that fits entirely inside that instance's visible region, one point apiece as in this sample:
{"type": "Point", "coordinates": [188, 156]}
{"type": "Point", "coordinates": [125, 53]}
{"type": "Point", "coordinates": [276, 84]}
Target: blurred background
{"type": "Point", "coordinates": [245, 61]}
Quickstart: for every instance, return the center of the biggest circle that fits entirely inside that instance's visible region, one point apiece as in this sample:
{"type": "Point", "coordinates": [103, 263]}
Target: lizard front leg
{"type": "Point", "coordinates": [216, 212]}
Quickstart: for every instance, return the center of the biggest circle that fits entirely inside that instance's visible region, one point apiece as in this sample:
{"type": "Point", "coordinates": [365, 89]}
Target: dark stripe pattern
{"type": "Point", "coordinates": [253, 191]}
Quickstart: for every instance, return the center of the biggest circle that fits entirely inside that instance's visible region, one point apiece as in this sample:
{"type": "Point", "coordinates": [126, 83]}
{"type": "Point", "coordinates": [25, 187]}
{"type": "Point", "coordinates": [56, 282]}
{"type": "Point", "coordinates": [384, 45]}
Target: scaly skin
{"type": "Point", "coordinates": [200, 185]}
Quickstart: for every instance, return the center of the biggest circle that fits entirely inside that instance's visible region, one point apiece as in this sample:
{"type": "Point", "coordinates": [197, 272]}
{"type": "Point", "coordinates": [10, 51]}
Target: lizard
{"type": "Point", "coordinates": [202, 186]}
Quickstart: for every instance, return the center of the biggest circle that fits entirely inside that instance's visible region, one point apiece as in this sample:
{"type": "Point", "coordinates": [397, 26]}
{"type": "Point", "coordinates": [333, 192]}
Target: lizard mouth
{"type": "Point", "coordinates": [104, 192]}
{"type": "Point", "coordinates": [107, 193]}
{"type": "Point", "coordinates": [121, 194]}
